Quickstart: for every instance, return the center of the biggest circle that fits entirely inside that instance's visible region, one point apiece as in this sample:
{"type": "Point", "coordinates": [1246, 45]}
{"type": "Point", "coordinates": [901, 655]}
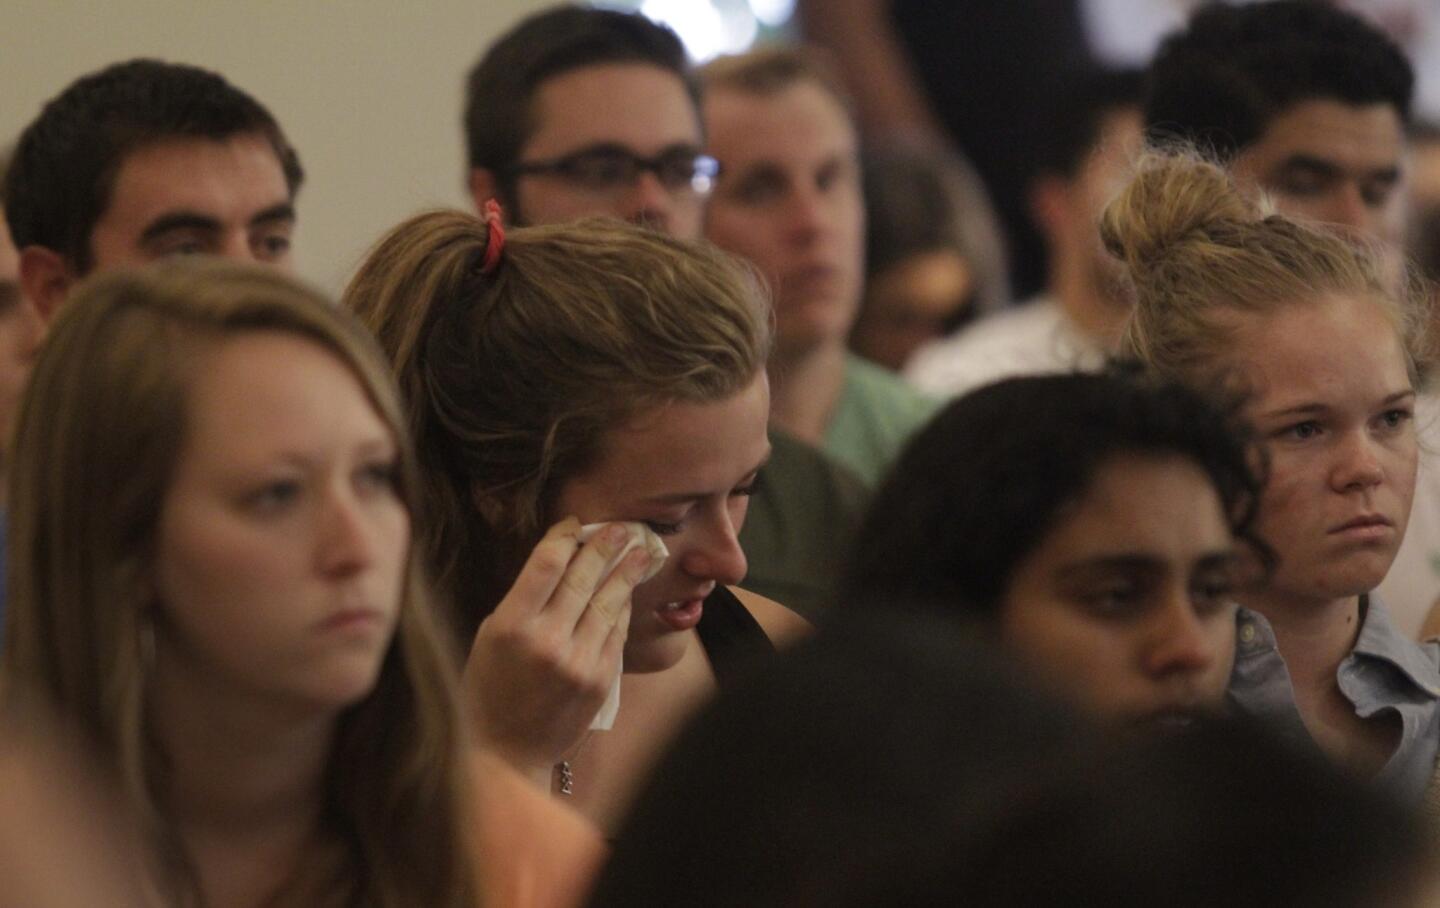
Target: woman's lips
{"type": "Point", "coordinates": [351, 620]}
{"type": "Point", "coordinates": [681, 616]}
{"type": "Point", "coordinates": [1168, 719]}
{"type": "Point", "coordinates": [1364, 528]}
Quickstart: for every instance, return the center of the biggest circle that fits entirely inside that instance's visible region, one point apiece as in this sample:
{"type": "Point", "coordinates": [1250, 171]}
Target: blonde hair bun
{"type": "Point", "coordinates": [1198, 251]}
{"type": "Point", "coordinates": [1174, 197]}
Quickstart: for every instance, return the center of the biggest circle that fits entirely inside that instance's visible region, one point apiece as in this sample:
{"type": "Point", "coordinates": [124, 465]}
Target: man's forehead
{"type": "Point", "coordinates": [643, 107]}
{"type": "Point", "coordinates": [184, 170]}
{"type": "Point", "coordinates": [799, 123]}
{"type": "Point", "coordinates": [214, 184]}
{"type": "Point", "coordinates": [1346, 136]}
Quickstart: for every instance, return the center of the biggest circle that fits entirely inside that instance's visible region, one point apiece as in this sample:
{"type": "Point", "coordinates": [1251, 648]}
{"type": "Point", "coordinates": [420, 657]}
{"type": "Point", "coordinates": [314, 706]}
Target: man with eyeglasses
{"type": "Point", "coordinates": [580, 111]}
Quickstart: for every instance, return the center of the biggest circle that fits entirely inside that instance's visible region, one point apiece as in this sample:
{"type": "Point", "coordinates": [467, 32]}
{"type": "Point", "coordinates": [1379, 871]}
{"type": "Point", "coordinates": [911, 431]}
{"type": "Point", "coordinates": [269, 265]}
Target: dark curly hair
{"type": "Point", "coordinates": [63, 171]}
{"type": "Point", "coordinates": [978, 489]}
{"type": "Point", "coordinates": [1220, 81]}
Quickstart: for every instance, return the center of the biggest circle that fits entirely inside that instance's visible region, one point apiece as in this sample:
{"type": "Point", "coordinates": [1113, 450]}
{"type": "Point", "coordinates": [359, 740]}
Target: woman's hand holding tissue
{"type": "Point", "coordinates": [544, 661]}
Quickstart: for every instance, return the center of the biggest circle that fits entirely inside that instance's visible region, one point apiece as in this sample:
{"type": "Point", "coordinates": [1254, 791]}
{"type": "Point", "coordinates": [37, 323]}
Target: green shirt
{"type": "Point", "coordinates": [805, 510]}
{"type": "Point", "coordinates": [876, 414]}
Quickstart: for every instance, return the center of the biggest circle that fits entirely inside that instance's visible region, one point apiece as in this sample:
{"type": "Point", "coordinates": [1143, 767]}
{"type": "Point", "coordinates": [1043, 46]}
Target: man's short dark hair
{"type": "Point", "coordinates": [60, 180]}
{"type": "Point", "coordinates": [1220, 81]}
{"type": "Point", "coordinates": [501, 86]}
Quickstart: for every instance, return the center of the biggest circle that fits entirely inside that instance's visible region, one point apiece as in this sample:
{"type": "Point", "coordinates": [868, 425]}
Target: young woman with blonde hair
{"type": "Point", "coordinates": [1309, 325]}
{"type": "Point", "coordinates": [581, 373]}
{"type": "Point", "coordinates": [212, 579]}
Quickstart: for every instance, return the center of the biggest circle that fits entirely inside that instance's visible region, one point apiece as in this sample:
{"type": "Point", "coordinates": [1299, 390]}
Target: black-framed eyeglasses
{"type": "Point", "coordinates": [603, 168]}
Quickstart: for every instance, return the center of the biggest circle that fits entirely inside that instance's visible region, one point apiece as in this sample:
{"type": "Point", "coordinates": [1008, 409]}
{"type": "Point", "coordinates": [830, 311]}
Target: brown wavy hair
{"type": "Point", "coordinates": [513, 378]}
{"type": "Point", "coordinates": [95, 451]}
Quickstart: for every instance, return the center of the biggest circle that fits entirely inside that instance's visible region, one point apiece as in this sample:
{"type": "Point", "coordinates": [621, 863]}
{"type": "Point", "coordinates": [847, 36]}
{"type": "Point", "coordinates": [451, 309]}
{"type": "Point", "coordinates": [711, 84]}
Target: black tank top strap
{"type": "Point", "coordinates": [731, 636]}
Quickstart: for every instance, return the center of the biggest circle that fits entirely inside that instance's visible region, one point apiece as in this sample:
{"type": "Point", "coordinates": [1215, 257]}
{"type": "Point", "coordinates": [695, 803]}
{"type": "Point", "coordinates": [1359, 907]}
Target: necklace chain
{"type": "Point", "coordinates": [564, 774]}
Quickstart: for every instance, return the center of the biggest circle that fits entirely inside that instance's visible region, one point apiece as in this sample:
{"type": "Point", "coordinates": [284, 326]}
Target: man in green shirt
{"type": "Point", "coordinates": [789, 199]}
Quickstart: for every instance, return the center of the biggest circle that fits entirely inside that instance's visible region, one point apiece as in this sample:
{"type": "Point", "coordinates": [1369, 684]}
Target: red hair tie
{"type": "Point", "coordinates": [495, 239]}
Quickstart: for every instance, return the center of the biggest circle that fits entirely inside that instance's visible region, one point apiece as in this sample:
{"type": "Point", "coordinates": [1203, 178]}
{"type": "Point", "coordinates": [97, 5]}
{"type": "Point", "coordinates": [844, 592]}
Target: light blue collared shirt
{"type": "Point", "coordinates": [1386, 671]}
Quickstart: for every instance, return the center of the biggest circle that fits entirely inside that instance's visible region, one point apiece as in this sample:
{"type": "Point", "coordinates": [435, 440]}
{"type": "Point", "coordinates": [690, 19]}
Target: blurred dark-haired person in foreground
{"type": "Point", "coordinates": [889, 762]}
{"type": "Point", "coordinates": [1098, 527]}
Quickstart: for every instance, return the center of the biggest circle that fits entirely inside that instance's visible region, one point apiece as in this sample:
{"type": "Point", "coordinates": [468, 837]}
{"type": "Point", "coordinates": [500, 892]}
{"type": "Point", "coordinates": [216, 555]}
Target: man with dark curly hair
{"type": "Point", "coordinates": [141, 160]}
{"type": "Point", "coordinates": [1305, 100]}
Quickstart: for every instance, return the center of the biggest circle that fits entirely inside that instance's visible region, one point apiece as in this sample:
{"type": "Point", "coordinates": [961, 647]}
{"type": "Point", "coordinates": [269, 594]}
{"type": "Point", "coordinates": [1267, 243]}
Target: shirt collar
{"type": "Point", "coordinates": [1379, 639]}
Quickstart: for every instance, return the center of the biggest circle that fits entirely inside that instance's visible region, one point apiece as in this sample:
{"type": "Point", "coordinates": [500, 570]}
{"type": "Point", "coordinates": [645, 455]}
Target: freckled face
{"type": "Point", "coordinates": [686, 470]}
{"type": "Point", "coordinates": [1334, 404]}
{"type": "Point", "coordinates": [282, 539]}
{"type": "Point", "coordinates": [1126, 605]}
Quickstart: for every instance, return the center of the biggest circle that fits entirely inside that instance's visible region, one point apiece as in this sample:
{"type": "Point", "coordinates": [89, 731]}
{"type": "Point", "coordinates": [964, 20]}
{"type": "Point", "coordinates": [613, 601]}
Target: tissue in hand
{"type": "Point", "coordinates": [640, 535]}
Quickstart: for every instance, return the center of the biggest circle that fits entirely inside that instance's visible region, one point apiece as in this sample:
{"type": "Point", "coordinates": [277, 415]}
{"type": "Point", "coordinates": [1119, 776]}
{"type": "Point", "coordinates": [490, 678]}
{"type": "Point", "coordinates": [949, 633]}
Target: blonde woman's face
{"type": "Point", "coordinates": [1335, 407]}
{"type": "Point", "coordinates": [282, 540]}
{"type": "Point", "coordinates": [687, 471]}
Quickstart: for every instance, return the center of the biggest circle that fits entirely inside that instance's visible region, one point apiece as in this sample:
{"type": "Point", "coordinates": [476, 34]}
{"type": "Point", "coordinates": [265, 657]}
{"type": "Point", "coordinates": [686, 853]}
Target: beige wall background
{"type": "Point", "coordinates": [370, 91]}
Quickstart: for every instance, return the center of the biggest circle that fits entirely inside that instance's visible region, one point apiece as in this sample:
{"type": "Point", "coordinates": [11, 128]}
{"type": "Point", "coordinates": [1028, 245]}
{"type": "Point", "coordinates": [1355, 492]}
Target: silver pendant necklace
{"type": "Point", "coordinates": [563, 775]}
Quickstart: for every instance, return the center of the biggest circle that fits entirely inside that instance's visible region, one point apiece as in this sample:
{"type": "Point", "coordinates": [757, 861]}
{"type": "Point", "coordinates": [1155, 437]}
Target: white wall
{"type": "Point", "coordinates": [370, 91]}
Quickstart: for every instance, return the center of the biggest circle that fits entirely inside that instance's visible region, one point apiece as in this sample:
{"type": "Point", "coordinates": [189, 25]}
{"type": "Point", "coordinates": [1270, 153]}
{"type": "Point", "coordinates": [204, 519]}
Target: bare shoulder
{"type": "Point", "coordinates": [780, 624]}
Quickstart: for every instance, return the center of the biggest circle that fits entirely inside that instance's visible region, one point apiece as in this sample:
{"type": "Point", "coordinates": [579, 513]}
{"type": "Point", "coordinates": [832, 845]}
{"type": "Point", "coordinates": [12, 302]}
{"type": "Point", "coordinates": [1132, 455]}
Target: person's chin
{"type": "Point", "coordinates": [821, 323]}
{"type": "Point", "coordinates": [650, 656]}
{"type": "Point", "coordinates": [338, 688]}
{"type": "Point", "coordinates": [1356, 575]}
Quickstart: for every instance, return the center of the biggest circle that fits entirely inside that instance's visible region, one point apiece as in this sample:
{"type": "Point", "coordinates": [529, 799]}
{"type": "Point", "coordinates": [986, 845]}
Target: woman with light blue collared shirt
{"type": "Point", "coordinates": [1307, 325]}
